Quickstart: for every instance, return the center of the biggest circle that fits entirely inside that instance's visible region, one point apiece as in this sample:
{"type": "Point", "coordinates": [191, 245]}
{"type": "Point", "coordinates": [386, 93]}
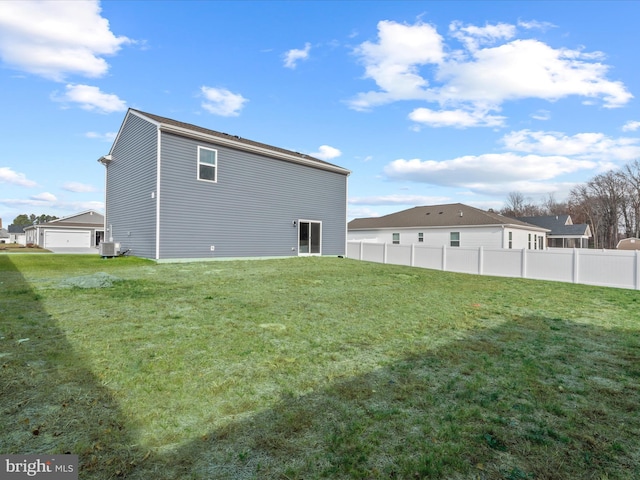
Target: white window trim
{"type": "Point", "coordinates": [214, 165]}
{"type": "Point", "coordinates": [451, 240]}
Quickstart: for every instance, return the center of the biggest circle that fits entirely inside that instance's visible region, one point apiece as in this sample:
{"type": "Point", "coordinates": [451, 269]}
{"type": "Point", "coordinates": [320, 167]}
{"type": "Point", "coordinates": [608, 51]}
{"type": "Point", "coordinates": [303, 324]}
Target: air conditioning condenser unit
{"type": "Point", "coordinates": [109, 249]}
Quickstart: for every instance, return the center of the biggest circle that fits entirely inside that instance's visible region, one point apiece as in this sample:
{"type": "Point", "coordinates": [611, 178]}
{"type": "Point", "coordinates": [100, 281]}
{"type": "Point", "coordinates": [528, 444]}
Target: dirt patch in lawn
{"type": "Point", "coordinates": [95, 280]}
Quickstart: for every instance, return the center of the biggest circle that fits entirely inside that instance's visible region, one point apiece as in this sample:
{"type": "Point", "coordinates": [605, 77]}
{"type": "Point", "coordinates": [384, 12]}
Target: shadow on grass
{"type": "Point", "coordinates": [50, 401]}
{"type": "Point", "coordinates": [537, 398]}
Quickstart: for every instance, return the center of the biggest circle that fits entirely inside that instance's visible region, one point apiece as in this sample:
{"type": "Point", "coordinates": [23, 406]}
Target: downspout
{"type": "Point", "coordinates": [346, 216]}
{"type": "Point", "coordinates": [158, 194]}
{"type": "Point", "coordinates": [106, 160]}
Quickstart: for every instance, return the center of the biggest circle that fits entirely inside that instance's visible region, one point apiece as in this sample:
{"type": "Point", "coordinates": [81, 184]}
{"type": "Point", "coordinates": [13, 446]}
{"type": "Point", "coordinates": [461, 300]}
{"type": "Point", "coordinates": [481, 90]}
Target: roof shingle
{"type": "Point", "coordinates": [448, 215]}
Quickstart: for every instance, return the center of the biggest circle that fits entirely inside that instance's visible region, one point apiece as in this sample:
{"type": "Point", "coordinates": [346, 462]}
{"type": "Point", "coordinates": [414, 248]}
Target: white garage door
{"type": "Point", "coordinates": [67, 239]}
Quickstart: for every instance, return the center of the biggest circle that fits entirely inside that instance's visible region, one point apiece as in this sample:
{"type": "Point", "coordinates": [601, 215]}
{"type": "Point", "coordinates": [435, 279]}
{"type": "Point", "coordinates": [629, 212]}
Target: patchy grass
{"type": "Point", "coordinates": [315, 368]}
{"type": "Point", "coordinates": [17, 248]}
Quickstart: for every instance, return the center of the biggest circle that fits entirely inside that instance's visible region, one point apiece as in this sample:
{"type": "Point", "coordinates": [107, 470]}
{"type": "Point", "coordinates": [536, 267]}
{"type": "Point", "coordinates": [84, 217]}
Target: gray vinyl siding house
{"type": "Point", "coordinates": [179, 191]}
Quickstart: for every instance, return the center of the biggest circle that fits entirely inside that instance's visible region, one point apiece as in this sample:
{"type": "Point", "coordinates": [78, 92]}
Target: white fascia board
{"type": "Point", "coordinates": [228, 142]}
{"type": "Point", "coordinates": [126, 117]}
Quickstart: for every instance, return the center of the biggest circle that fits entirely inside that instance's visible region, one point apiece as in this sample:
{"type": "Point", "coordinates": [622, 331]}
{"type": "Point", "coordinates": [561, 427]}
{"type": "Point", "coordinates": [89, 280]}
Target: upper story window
{"type": "Point", "coordinates": [455, 239]}
{"type": "Point", "coordinates": [396, 238]}
{"type": "Point", "coordinates": [207, 164]}
{"type": "Point", "coordinates": [510, 239]}
{"type": "Point", "coordinates": [421, 237]}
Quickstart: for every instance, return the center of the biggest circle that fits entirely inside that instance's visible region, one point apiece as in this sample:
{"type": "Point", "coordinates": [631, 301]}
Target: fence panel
{"type": "Point", "coordinates": [427, 257]}
{"type": "Point", "coordinates": [609, 268]}
{"type": "Point", "coordinates": [502, 263]}
{"type": "Point", "coordinates": [462, 260]}
{"type": "Point", "coordinates": [373, 252]}
{"type": "Point", "coordinates": [353, 250]}
{"type": "Point", "coordinates": [399, 254]}
{"type": "Point", "coordinates": [550, 265]}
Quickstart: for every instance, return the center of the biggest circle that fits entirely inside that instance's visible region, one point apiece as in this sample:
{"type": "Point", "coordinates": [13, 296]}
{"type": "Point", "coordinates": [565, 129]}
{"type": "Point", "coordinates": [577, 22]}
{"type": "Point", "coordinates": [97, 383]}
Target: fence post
{"type": "Point", "coordinates": [576, 268]}
{"type": "Point", "coordinates": [637, 285]}
{"type": "Point", "coordinates": [444, 258]}
{"type": "Point", "coordinates": [413, 251]}
{"type": "Point", "coordinates": [523, 264]}
{"type": "Point", "coordinates": [480, 260]}
{"type": "Point", "coordinates": [361, 250]}
{"type": "Point", "coordinates": [384, 253]}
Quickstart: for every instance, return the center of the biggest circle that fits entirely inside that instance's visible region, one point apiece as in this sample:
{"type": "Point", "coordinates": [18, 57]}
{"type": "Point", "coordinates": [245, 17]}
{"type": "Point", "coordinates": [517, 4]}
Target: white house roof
{"type": "Point", "coordinates": [449, 215]}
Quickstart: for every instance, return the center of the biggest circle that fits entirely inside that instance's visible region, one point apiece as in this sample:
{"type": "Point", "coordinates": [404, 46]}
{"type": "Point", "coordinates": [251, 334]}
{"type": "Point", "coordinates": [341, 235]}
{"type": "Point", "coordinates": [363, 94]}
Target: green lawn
{"type": "Point", "coordinates": [308, 368]}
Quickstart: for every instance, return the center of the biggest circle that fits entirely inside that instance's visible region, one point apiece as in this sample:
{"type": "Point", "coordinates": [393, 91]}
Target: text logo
{"type": "Point", "coordinates": [48, 467]}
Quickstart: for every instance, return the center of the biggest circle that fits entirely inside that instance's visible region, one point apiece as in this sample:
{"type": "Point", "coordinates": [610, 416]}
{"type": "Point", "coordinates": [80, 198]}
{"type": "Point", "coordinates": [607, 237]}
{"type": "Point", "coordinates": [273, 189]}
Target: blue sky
{"type": "Point", "coordinates": [425, 102]}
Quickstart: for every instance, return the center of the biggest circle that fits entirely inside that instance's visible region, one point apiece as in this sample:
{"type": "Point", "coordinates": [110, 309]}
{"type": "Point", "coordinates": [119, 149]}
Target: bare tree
{"type": "Point", "coordinates": [631, 174]}
{"type": "Point", "coordinates": [607, 192]}
{"type": "Point", "coordinates": [514, 205]}
{"type": "Point", "coordinates": [552, 207]}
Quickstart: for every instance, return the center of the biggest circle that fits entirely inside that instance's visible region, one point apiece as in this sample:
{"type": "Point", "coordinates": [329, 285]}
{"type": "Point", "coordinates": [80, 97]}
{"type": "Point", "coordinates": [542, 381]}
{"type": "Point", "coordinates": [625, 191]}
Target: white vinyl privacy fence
{"type": "Point", "coordinates": [609, 268]}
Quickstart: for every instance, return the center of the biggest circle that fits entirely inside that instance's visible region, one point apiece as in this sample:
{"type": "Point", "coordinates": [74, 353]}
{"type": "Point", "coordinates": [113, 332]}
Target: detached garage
{"type": "Point", "coordinates": [81, 231]}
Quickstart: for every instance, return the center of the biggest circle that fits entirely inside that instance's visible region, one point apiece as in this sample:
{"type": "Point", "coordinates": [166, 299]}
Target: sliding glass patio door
{"type": "Point", "coordinates": [309, 237]}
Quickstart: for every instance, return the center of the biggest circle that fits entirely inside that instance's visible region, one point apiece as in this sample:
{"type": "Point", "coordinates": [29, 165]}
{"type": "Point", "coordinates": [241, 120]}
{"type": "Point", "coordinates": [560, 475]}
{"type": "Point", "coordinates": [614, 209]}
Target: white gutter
{"type": "Point", "coordinates": [508, 225]}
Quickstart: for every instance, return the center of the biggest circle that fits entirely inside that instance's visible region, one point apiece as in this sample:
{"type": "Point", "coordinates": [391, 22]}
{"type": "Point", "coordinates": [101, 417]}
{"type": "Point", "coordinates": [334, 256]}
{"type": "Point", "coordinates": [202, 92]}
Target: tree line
{"type": "Point", "coordinates": [25, 220]}
{"type": "Point", "coordinates": [609, 203]}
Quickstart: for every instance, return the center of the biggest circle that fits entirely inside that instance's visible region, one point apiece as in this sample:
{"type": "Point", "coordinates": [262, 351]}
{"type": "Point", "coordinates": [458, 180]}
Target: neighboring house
{"type": "Point", "coordinates": [563, 232]}
{"type": "Point", "coordinates": [179, 191]}
{"type": "Point", "coordinates": [451, 225]}
{"type": "Point", "coordinates": [16, 234]}
{"type": "Point", "coordinates": [4, 235]}
{"type": "Point", "coordinates": [629, 244]}
{"type": "Point", "coordinates": [82, 230]}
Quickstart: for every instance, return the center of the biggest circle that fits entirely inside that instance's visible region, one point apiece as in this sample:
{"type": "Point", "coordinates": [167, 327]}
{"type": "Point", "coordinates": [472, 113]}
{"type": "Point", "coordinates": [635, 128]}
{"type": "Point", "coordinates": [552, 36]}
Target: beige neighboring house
{"type": "Point", "coordinates": [629, 244]}
{"type": "Point", "coordinates": [450, 225]}
{"type": "Point", "coordinates": [82, 230]}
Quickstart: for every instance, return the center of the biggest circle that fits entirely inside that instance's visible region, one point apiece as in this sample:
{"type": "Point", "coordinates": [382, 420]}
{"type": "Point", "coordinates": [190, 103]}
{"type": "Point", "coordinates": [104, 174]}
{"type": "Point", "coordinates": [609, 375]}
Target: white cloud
{"type": "Point", "coordinates": [631, 126]}
{"type": "Point", "coordinates": [527, 69]}
{"type": "Point", "coordinates": [491, 69]}
{"type": "Point", "coordinates": [51, 202]}
{"type": "Point", "coordinates": [293, 56]}
{"type": "Point", "coordinates": [473, 37]}
{"type": "Point", "coordinates": [589, 146]}
{"type": "Point", "coordinates": [91, 98]}
{"type": "Point", "coordinates": [220, 101]}
{"type": "Point", "coordinates": [393, 62]}
{"type": "Point", "coordinates": [455, 118]}
{"type": "Point", "coordinates": [361, 212]}
{"type": "Point", "coordinates": [541, 115]}
{"type": "Point", "coordinates": [44, 197]}
{"type": "Point", "coordinates": [7, 175]}
{"type": "Point", "coordinates": [325, 152]}
{"type": "Point", "coordinates": [472, 171]}
{"type": "Point", "coordinates": [78, 187]}
{"type": "Point", "coordinates": [535, 25]}
{"type": "Point", "coordinates": [397, 200]}
{"type": "Point", "coordinates": [106, 137]}
{"type": "Point", "coordinates": [55, 39]}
